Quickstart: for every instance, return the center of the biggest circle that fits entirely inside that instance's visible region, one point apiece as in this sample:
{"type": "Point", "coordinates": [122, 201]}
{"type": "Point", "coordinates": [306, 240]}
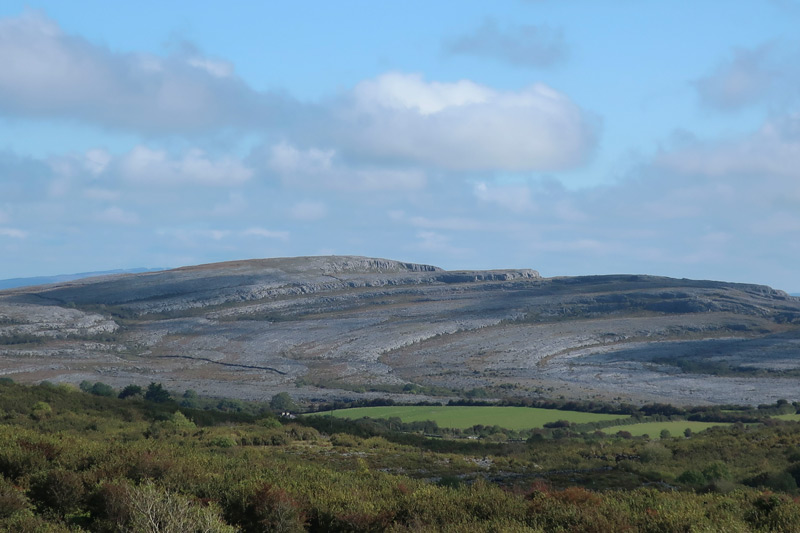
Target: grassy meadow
{"type": "Point", "coordinates": [464, 417]}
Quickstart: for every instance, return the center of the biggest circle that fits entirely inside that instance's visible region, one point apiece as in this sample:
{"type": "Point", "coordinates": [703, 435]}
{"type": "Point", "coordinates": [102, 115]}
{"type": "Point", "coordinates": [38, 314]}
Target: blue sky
{"type": "Point", "coordinates": [572, 137]}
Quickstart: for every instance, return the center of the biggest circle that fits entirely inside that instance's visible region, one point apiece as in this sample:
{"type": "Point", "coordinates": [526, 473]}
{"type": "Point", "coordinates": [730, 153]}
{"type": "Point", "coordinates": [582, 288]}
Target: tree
{"type": "Point", "coordinates": [101, 389]}
{"type": "Point", "coordinates": [131, 390]}
{"type": "Point", "coordinates": [282, 402]}
{"type": "Point", "coordinates": [156, 393]}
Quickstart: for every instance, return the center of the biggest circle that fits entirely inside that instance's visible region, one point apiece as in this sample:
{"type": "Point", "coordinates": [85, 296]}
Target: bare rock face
{"type": "Point", "coordinates": [326, 325]}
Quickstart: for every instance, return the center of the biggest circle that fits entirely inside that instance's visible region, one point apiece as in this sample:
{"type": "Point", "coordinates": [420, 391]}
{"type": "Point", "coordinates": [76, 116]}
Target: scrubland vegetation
{"type": "Point", "coordinates": [84, 460]}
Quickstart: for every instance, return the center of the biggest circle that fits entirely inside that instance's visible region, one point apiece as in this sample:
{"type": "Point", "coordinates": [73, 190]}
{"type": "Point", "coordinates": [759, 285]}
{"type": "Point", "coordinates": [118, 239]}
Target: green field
{"type": "Point", "coordinates": [463, 417]}
{"type": "Point", "coordinates": [653, 429]}
{"type": "Point", "coordinates": [792, 417]}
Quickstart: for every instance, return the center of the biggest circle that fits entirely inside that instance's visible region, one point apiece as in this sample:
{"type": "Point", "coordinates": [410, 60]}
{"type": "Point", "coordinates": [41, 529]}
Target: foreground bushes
{"type": "Point", "coordinates": [116, 466]}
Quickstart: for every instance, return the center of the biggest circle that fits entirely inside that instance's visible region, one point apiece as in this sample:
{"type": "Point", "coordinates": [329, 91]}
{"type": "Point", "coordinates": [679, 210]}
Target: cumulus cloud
{"type": "Point", "coordinates": [397, 121]}
{"type": "Point", "coordinates": [459, 125]}
{"type": "Point", "coordinates": [146, 165]}
{"type": "Point", "coordinates": [45, 72]}
{"type": "Point", "coordinates": [315, 167]}
{"type": "Point", "coordinates": [523, 46]}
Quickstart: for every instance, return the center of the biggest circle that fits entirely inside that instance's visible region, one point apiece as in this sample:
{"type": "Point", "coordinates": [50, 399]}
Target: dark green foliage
{"type": "Point", "coordinates": [282, 402]}
{"type": "Point", "coordinates": [101, 389]}
{"type": "Point", "coordinates": [156, 393]}
{"type": "Point", "coordinates": [692, 477]}
{"type": "Point", "coordinates": [60, 491]}
{"type": "Point", "coordinates": [12, 500]}
{"type": "Point", "coordinates": [131, 391]}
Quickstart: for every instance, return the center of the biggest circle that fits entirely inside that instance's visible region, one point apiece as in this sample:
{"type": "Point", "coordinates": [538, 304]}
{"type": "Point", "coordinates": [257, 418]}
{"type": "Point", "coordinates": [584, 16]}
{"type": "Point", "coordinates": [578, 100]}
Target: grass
{"type": "Point", "coordinates": [654, 429]}
{"type": "Point", "coordinates": [792, 417]}
{"type": "Point", "coordinates": [463, 417]}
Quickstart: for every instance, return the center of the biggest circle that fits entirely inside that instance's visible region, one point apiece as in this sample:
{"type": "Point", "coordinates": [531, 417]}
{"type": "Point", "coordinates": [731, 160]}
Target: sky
{"type": "Point", "coordinates": [572, 137]}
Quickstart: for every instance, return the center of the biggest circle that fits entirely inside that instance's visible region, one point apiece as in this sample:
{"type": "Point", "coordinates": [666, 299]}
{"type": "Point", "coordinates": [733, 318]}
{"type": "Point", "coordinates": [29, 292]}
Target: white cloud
{"type": "Point", "coordinates": [403, 92]}
{"type": "Point", "coordinates": [308, 210]}
{"type": "Point", "coordinates": [459, 126]}
{"type": "Point", "coordinates": [322, 168]}
{"type": "Point", "coordinates": [772, 151]}
{"type": "Point", "coordinates": [45, 72]}
{"type": "Point", "coordinates": [220, 69]}
{"type": "Point", "coordinates": [146, 165]}
{"type": "Point", "coordinates": [396, 120]}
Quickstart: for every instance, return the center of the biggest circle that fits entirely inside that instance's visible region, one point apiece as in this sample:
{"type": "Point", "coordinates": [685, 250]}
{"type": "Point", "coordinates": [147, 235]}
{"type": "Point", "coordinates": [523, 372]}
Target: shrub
{"type": "Point", "coordinates": [151, 508]}
{"type": "Point", "coordinates": [61, 491]}
{"type": "Point", "coordinates": [223, 441]}
{"type": "Point", "coordinates": [343, 439]}
{"type": "Point", "coordinates": [11, 499]}
{"type": "Point", "coordinates": [692, 477]}
{"type": "Point", "coordinates": [271, 508]}
{"type": "Point", "coordinates": [41, 410]}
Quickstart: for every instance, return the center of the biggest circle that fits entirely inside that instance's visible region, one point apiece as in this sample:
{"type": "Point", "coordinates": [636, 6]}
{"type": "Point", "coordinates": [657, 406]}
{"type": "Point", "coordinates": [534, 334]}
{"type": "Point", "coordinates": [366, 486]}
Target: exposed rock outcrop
{"type": "Point", "coordinates": [250, 328]}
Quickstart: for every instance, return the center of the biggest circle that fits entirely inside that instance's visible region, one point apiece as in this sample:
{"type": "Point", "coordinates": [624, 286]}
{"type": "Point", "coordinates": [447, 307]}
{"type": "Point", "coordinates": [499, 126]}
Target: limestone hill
{"type": "Point", "coordinates": [326, 326]}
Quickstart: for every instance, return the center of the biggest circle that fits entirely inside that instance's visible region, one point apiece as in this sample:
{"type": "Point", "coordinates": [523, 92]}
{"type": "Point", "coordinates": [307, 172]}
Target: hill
{"type": "Point", "coordinates": [342, 325]}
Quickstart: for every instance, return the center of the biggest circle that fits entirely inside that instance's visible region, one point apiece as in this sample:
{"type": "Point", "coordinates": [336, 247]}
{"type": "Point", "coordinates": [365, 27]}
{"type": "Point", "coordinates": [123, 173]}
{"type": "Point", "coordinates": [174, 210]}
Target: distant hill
{"type": "Point", "coordinates": [347, 327]}
{"type": "Point", "coordinates": [14, 283]}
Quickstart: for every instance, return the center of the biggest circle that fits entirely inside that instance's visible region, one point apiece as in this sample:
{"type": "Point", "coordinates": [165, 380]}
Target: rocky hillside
{"type": "Point", "coordinates": [326, 326]}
